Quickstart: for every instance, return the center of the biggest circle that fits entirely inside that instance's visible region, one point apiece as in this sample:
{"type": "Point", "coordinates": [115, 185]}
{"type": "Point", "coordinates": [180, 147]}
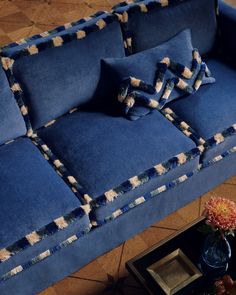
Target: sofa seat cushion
{"type": "Point", "coordinates": [102, 152]}
{"type": "Point", "coordinates": [212, 109]}
{"type": "Point", "coordinates": [32, 196]}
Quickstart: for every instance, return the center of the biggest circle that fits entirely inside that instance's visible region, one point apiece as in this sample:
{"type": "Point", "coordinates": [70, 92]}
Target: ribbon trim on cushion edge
{"type": "Point", "coordinates": [162, 189]}
{"type": "Point", "coordinates": [46, 254]}
{"type": "Point", "coordinates": [50, 229]}
{"type": "Point", "coordinates": [52, 31]}
{"type": "Point", "coordinates": [42, 256]}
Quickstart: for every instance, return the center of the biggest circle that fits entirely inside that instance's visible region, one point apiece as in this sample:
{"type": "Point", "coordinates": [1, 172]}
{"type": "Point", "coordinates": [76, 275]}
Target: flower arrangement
{"type": "Point", "coordinates": [220, 215]}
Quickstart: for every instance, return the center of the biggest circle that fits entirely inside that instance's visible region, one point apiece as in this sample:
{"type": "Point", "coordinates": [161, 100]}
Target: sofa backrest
{"type": "Point", "coordinates": [11, 122]}
{"type": "Point", "coordinates": [59, 72]}
{"type": "Point", "coordinates": [148, 23]}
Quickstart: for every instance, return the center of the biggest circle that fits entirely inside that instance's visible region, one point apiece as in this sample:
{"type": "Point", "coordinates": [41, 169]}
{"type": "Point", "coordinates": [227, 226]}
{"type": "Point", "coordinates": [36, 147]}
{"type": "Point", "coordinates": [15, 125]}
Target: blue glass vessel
{"type": "Point", "coordinates": [216, 254]}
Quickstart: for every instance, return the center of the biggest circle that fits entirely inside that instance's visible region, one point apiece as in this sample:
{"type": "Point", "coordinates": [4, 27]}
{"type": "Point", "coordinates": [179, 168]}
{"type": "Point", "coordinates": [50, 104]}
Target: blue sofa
{"type": "Point", "coordinates": [77, 179]}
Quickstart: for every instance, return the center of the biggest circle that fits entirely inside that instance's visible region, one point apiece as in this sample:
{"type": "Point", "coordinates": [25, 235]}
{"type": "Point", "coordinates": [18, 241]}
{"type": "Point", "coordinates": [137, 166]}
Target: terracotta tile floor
{"type": "Point", "coordinates": [107, 274]}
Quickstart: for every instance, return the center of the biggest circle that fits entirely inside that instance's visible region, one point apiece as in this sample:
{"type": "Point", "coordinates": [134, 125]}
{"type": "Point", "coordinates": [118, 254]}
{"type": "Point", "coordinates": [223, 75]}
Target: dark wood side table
{"type": "Point", "coordinates": [188, 241]}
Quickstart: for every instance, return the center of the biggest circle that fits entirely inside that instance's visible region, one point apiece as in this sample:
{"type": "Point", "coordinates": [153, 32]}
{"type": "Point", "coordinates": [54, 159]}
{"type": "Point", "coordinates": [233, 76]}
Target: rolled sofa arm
{"type": "Point", "coordinates": [227, 31]}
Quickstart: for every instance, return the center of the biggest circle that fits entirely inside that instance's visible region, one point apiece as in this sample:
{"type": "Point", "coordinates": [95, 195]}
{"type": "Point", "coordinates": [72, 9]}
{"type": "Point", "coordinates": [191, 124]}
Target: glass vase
{"type": "Point", "coordinates": [216, 253]}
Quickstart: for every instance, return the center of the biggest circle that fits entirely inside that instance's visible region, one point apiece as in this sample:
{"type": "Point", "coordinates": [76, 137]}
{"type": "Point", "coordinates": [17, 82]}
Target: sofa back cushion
{"type": "Point", "coordinates": [11, 122]}
{"type": "Point", "coordinates": [62, 71]}
{"type": "Point", "coordinates": [147, 24]}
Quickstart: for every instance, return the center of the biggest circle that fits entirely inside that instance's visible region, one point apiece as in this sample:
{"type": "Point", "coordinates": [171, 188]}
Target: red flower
{"type": "Point", "coordinates": [221, 214]}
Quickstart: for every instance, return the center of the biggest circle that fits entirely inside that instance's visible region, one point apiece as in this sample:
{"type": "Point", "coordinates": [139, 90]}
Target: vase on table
{"type": "Point", "coordinates": [215, 256]}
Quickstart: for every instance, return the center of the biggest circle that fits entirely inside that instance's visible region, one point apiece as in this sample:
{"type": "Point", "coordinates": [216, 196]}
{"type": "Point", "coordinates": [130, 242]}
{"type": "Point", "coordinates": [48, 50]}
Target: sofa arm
{"type": "Point", "coordinates": [227, 31]}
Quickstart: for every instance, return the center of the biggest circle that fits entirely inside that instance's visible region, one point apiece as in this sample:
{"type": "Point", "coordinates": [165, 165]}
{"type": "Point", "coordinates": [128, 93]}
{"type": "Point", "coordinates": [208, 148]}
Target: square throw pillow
{"type": "Point", "coordinates": [150, 79]}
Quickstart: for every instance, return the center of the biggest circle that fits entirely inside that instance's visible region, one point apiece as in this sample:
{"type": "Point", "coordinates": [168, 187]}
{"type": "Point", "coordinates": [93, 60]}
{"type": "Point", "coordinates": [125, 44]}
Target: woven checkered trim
{"type": "Point", "coordinates": [53, 31]}
{"type": "Point", "coordinates": [50, 229]}
{"type": "Point", "coordinates": [182, 126]}
{"type": "Point", "coordinates": [52, 122]}
{"type": "Point", "coordinates": [162, 189]}
{"type": "Point", "coordinates": [136, 181]}
{"type": "Point", "coordinates": [57, 41]}
{"type": "Point", "coordinates": [61, 170]}
{"type": "Point", "coordinates": [42, 256]}
{"type": "Point", "coordinates": [20, 268]}
{"type": "Point", "coordinates": [189, 132]}
{"type": "Point", "coordinates": [220, 137]}
{"type": "Point", "coordinates": [124, 9]}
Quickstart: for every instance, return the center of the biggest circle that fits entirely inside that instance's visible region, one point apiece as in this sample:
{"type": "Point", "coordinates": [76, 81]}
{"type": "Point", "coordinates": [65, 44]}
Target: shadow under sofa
{"type": "Point", "coordinates": [77, 180]}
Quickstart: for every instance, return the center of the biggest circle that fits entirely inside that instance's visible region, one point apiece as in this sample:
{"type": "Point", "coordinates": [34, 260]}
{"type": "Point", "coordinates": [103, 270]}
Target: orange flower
{"type": "Point", "coordinates": [221, 214]}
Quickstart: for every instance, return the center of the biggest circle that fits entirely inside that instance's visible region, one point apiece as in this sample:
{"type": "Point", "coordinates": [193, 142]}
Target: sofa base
{"type": "Point", "coordinates": [94, 244]}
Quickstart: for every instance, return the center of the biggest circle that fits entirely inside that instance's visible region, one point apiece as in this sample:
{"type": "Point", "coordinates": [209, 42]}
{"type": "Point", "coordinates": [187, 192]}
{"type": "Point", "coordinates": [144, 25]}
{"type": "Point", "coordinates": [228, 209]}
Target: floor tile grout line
{"type": "Point", "coordinates": [17, 22]}
{"type": "Point", "coordinates": [228, 183]}
{"type": "Point", "coordinates": [163, 227]}
{"type": "Point", "coordinates": [121, 255]}
{"type": "Point", "coordinates": [199, 206]}
{"type": "Point", "coordinates": [85, 279]}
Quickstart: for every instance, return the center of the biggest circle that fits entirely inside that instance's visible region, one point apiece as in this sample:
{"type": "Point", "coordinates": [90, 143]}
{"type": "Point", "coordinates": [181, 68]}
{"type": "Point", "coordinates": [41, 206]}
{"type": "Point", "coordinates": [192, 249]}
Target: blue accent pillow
{"type": "Point", "coordinates": [150, 79]}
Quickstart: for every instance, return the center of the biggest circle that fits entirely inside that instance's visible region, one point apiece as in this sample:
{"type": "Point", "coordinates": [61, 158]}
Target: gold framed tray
{"type": "Point", "coordinates": [174, 272]}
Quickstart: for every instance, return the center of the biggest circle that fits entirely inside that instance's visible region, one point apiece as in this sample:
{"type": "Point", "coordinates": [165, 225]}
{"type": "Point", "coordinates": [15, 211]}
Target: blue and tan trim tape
{"type": "Point", "coordinates": [162, 189]}
{"type": "Point", "coordinates": [69, 241]}
{"type": "Point", "coordinates": [163, 168]}
{"type": "Point", "coordinates": [57, 41]}
{"type": "Point", "coordinates": [182, 126]}
{"type": "Point", "coordinates": [42, 256]}
{"type": "Point", "coordinates": [53, 31]}
{"type": "Point", "coordinates": [138, 180]}
{"type": "Point", "coordinates": [58, 224]}
{"type": "Point", "coordinates": [220, 137]}
{"type": "Point", "coordinates": [61, 170]}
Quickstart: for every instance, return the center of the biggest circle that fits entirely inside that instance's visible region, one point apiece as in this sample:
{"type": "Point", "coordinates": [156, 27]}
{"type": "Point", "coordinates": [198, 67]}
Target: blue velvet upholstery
{"type": "Point", "coordinates": [12, 124]}
{"type": "Point", "coordinates": [32, 195]}
{"type": "Point", "coordinates": [60, 78]}
{"type": "Point", "coordinates": [149, 29]}
{"type": "Point", "coordinates": [212, 109]}
{"type": "Point", "coordinates": [147, 65]}
{"type": "Point", "coordinates": [227, 27]}
{"type": "Point", "coordinates": [102, 151]}
{"type": "Point", "coordinates": [112, 234]}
